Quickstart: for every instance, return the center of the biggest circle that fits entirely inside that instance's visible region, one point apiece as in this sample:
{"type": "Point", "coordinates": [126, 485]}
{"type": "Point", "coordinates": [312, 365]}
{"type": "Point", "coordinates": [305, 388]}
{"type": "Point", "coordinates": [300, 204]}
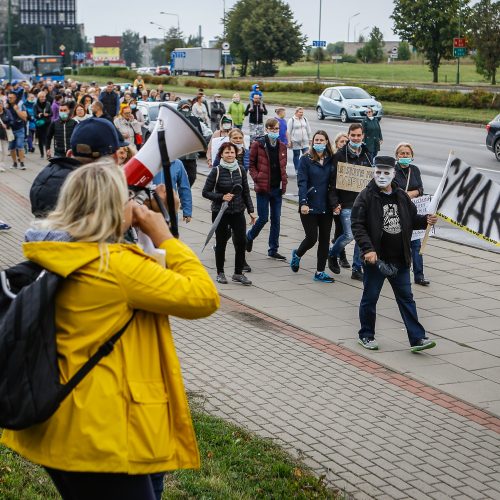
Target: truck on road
{"type": "Point", "coordinates": [197, 61]}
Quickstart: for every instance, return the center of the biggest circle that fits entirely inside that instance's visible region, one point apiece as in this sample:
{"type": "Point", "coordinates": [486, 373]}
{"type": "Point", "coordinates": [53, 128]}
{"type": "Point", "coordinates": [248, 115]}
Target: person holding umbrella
{"type": "Point", "coordinates": [228, 183]}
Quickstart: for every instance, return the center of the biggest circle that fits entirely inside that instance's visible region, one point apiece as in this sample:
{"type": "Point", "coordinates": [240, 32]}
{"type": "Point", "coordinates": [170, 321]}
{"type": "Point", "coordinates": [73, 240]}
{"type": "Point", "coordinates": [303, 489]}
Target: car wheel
{"type": "Point", "coordinates": [344, 118]}
{"type": "Point", "coordinates": [321, 115]}
{"type": "Point", "coordinates": [496, 149]}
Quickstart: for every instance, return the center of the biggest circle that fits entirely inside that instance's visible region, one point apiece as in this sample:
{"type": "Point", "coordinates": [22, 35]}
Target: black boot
{"type": "Point", "coordinates": [343, 260]}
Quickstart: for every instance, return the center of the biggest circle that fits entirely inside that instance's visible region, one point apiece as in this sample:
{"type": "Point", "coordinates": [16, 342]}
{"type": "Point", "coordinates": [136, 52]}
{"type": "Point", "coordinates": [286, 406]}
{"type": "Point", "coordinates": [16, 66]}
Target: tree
{"type": "Point", "coordinates": [482, 25]}
{"type": "Point", "coordinates": [336, 48]}
{"type": "Point", "coordinates": [159, 55]}
{"type": "Point", "coordinates": [315, 52]}
{"type": "Point", "coordinates": [404, 53]}
{"type": "Point", "coordinates": [194, 41]}
{"type": "Point", "coordinates": [373, 51]}
{"type": "Point", "coordinates": [131, 47]}
{"type": "Point", "coordinates": [261, 32]}
{"type": "Point", "coordinates": [173, 39]}
{"type": "Point", "coordinates": [428, 25]}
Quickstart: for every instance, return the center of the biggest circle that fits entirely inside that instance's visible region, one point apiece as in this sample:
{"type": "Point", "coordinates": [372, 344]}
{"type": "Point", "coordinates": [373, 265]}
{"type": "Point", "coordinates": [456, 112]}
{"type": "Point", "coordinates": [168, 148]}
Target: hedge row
{"type": "Point", "coordinates": [477, 99]}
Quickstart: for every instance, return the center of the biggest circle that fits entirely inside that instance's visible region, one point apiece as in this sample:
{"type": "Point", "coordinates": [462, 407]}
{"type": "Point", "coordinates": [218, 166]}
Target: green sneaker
{"type": "Point", "coordinates": [423, 344]}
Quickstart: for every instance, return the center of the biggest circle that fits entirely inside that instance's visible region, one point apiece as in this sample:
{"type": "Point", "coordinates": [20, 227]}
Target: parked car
{"type": "Point", "coordinates": [150, 112]}
{"type": "Point", "coordinates": [493, 137]}
{"type": "Point", "coordinates": [146, 71]}
{"type": "Point", "coordinates": [347, 103]}
{"type": "Point", "coordinates": [16, 74]}
{"type": "Point", "coordinates": [162, 70]}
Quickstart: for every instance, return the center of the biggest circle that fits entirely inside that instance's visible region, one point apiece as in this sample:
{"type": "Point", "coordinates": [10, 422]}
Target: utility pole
{"type": "Point", "coordinates": [224, 36]}
{"type": "Point", "coordinates": [319, 38]}
{"type": "Point", "coordinates": [458, 58]}
{"type": "Point", "coordinates": [9, 38]}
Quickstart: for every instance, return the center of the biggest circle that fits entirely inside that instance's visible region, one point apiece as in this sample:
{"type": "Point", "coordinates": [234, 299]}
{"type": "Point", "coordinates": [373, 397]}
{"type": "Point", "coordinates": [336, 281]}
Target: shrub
{"type": "Point", "coordinates": [102, 70]}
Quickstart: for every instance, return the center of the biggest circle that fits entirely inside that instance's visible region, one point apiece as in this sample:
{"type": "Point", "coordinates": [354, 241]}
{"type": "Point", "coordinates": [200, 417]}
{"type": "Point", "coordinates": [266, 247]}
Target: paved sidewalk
{"type": "Point", "coordinates": [281, 358]}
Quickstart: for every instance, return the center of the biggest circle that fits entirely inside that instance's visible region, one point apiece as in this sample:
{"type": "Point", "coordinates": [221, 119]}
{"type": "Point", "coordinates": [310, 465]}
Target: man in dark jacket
{"type": "Point", "coordinates": [255, 112]}
{"type": "Point", "coordinates": [383, 219]}
{"type": "Point", "coordinates": [268, 157]}
{"type": "Point", "coordinates": [110, 100]}
{"type": "Point", "coordinates": [353, 153]}
{"type": "Point", "coordinates": [92, 139]}
{"type": "Point", "coordinates": [61, 131]}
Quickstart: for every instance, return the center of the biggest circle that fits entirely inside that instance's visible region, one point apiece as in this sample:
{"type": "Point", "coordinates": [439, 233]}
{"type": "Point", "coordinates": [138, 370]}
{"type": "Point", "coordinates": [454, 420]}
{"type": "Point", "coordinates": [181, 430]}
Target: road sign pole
{"type": "Point", "coordinates": [458, 58]}
{"type": "Point", "coordinates": [9, 38]}
{"type": "Point", "coordinates": [319, 38]}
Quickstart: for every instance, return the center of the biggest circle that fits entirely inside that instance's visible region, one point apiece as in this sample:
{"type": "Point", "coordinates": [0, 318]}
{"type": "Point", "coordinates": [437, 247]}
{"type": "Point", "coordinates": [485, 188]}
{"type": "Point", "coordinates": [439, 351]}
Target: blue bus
{"type": "Point", "coordinates": [38, 67]}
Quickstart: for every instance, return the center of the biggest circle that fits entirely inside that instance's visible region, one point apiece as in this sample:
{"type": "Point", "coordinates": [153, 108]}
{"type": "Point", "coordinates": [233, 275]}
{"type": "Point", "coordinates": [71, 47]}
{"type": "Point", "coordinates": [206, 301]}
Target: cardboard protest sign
{"type": "Point", "coordinates": [422, 203]}
{"type": "Point", "coordinates": [470, 201]}
{"type": "Point", "coordinates": [353, 177]}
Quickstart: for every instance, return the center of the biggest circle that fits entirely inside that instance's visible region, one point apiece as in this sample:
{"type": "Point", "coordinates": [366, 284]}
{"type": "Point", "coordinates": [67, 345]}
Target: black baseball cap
{"type": "Point", "coordinates": [95, 137]}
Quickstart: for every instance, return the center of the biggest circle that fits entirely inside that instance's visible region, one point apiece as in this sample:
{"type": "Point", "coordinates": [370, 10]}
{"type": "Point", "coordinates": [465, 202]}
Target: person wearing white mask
{"type": "Point", "coordinates": [383, 218]}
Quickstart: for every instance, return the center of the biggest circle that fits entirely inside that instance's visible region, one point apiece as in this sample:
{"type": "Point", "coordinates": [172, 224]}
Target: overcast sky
{"type": "Point", "coordinates": [113, 18]}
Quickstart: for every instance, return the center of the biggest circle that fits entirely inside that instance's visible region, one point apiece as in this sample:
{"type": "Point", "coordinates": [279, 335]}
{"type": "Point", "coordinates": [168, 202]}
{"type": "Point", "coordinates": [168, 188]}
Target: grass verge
{"type": "Point", "coordinates": [235, 465]}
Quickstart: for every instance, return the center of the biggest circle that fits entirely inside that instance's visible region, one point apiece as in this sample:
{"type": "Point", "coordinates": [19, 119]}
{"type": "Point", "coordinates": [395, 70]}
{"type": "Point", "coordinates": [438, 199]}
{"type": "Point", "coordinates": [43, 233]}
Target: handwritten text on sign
{"type": "Point", "coordinates": [422, 204]}
{"type": "Point", "coordinates": [353, 177]}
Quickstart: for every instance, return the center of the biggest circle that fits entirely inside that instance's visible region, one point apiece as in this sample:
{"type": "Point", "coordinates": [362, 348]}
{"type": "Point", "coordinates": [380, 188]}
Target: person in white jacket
{"type": "Point", "coordinates": [300, 135]}
{"type": "Point", "coordinates": [127, 125]}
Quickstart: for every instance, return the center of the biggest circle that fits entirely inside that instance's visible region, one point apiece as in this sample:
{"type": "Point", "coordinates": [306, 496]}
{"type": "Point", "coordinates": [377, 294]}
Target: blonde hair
{"type": "Point", "coordinates": [336, 140]}
{"type": "Point", "coordinates": [91, 204]}
{"type": "Point", "coordinates": [404, 145]}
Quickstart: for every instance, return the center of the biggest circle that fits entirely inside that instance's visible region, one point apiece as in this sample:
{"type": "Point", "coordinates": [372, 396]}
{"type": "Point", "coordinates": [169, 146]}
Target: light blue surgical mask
{"type": "Point", "coordinates": [273, 135]}
{"type": "Point", "coordinates": [319, 148]}
{"type": "Point", "coordinates": [63, 115]}
{"type": "Point", "coordinates": [405, 161]}
{"type": "Point", "coordinates": [355, 145]}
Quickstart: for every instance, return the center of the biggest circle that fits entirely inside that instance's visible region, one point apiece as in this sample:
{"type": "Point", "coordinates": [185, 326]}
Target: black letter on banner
{"type": "Point", "coordinates": [494, 219]}
{"type": "Point", "coordinates": [479, 215]}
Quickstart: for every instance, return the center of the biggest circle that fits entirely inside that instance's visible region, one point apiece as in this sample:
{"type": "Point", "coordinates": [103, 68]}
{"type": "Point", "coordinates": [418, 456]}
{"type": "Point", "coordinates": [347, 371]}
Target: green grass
{"type": "Point", "coordinates": [398, 72]}
{"type": "Point", "coordinates": [466, 115]}
{"type": "Point", "coordinates": [235, 465]}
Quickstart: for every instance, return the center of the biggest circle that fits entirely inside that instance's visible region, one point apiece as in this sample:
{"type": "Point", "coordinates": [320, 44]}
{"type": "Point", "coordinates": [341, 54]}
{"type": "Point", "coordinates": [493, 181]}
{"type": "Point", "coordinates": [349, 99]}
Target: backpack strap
{"type": "Point", "coordinates": [103, 351]}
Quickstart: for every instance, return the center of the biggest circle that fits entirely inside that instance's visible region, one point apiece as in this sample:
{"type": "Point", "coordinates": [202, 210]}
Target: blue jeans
{"type": "Point", "coordinates": [18, 142]}
{"type": "Point", "coordinates": [373, 281]}
{"type": "Point", "coordinates": [296, 157]}
{"type": "Point", "coordinates": [417, 259]}
{"type": "Point", "coordinates": [266, 201]}
{"type": "Point", "coordinates": [345, 238]}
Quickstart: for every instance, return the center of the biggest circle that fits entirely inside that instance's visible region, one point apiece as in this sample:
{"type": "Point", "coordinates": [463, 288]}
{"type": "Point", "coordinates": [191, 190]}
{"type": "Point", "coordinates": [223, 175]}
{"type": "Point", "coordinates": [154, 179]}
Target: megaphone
{"type": "Point", "coordinates": [181, 138]}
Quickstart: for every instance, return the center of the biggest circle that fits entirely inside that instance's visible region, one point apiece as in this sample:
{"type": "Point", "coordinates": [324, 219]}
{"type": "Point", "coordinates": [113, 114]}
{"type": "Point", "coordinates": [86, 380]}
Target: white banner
{"type": "Point", "coordinates": [422, 203]}
{"type": "Point", "coordinates": [471, 201]}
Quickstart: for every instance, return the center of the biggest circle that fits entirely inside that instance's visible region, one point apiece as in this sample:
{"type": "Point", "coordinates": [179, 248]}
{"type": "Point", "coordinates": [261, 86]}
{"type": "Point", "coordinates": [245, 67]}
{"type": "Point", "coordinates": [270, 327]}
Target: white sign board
{"type": "Point", "coordinates": [422, 203]}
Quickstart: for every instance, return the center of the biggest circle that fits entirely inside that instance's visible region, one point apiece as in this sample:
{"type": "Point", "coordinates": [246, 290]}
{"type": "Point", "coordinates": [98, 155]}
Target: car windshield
{"type": "Point", "coordinates": [354, 94]}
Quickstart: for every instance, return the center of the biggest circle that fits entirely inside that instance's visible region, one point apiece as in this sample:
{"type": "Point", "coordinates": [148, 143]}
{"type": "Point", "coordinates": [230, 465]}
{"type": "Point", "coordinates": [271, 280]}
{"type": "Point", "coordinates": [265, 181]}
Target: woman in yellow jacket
{"type": "Point", "coordinates": [129, 418]}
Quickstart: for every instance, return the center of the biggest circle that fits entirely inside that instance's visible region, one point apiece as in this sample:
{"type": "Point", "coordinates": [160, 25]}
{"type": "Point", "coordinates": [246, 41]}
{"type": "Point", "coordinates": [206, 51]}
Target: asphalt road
{"type": "Point", "coordinates": [432, 142]}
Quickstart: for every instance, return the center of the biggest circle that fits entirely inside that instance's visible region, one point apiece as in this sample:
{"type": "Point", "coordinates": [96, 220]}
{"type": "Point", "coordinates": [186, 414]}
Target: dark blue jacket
{"type": "Point", "coordinates": [314, 180]}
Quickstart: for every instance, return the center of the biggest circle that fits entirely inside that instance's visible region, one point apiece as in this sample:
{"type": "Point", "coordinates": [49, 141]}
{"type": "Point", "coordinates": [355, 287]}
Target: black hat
{"type": "Point", "coordinates": [384, 161]}
{"type": "Point", "coordinates": [95, 137]}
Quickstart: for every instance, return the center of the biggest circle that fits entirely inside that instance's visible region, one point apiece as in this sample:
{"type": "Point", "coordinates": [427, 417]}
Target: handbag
{"type": "Point", "coordinates": [40, 122]}
{"type": "Point", "coordinates": [10, 135]}
{"type": "Point", "coordinates": [138, 139]}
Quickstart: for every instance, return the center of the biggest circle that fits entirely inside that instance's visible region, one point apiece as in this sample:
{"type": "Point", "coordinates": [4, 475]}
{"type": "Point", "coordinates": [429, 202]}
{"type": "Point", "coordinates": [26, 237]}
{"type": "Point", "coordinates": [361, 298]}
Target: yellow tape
{"type": "Point", "coordinates": [468, 229]}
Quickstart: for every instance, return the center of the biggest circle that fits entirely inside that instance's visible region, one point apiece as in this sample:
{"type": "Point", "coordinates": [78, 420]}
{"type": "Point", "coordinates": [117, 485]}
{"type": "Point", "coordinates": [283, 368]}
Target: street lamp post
{"type": "Point", "coordinates": [224, 35]}
{"type": "Point", "coordinates": [349, 24]}
{"type": "Point", "coordinates": [9, 38]}
{"type": "Point", "coordinates": [319, 39]}
{"type": "Point", "coordinates": [173, 14]}
{"type": "Point", "coordinates": [355, 26]}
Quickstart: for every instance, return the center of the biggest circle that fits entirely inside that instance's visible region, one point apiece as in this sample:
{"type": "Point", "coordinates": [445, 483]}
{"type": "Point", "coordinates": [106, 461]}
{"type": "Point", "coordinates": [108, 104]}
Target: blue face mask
{"type": "Point", "coordinates": [355, 145]}
{"type": "Point", "coordinates": [63, 115]}
{"type": "Point", "coordinates": [273, 135]}
{"type": "Point", "coordinates": [405, 161]}
{"type": "Point", "coordinates": [319, 147]}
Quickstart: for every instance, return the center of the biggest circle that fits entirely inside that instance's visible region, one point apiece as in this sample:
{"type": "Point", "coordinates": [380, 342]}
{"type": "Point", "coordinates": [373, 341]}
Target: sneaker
{"type": "Point", "coordinates": [333, 264]}
{"type": "Point", "coordinates": [4, 226]}
{"type": "Point", "coordinates": [14, 165]}
{"type": "Point", "coordinates": [343, 261]}
{"type": "Point", "coordinates": [249, 245]}
{"type": "Point", "coordinates": [2, 169]}
{"type": "Point", "coordinates": [277, 256]}
{"type": "Point", "coordinates": [295, 261]}
{"type": "Point", "coordinates": [246, 268]}
{"type": "Point", "coordinates": [367, 343]}
{"type": "Point", "coordinates": [241, 278]}
{"type": "Point", "coordinates": [423, 344]}
{"type": "Point", "coordinates": [357, 275]}
{"type": "Point", "coordinates": [322, 276]}
{"type": "Point", "coordinates": [221, 278]}
{"type": "Point", "coordinates": [422, 281]}
{"type": "Point", "coordinates": [21, 166]}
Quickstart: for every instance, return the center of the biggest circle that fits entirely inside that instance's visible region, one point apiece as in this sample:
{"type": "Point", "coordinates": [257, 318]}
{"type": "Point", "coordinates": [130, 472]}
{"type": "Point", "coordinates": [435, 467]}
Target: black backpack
{"type": "Point", "coordinates": [30, 388]}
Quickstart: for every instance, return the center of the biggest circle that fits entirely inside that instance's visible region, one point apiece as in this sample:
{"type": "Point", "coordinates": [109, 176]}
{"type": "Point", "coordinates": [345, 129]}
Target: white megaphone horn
{"type": "Point", "coordinates": [181, 138]}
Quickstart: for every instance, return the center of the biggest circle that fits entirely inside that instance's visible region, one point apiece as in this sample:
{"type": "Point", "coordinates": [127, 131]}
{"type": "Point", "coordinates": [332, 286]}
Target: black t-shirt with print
{"type": "Point", "coordinates": [392, 240]}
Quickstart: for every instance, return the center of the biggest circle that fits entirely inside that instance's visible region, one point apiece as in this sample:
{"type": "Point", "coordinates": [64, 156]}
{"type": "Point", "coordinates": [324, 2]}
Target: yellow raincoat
{"type": "Point", "coordinates": [130, 414]}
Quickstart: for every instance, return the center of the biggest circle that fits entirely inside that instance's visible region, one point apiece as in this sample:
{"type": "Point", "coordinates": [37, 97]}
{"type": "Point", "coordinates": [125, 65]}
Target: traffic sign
{"type": "Point", "coordinates": [319, 43]}
{"type": "Point", "coordinates": [394, 55]}
{"type": "Point", "coordinates": [459, 43]}
{"type": "Point", "coordinates": [226, 52]}
{"type": "Point", "coordinates": [394, 50]}
{"type": "Point", "coordinates": [61, 47]}
{"type": "Point", "coordinates": [459, 51]}
{"type": "Point", "coordinates": [225, 46]}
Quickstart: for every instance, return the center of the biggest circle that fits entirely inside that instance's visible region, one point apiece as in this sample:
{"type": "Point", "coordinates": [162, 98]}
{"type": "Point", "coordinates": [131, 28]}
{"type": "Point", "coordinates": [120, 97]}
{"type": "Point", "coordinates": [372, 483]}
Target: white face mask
{"type": "Point", "coordinates": [383, 177]}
